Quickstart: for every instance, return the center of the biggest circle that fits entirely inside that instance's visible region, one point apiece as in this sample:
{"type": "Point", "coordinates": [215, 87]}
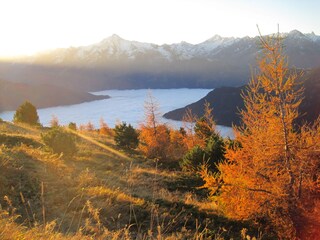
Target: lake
{"type": "Point", "coordinates": [124, 105]}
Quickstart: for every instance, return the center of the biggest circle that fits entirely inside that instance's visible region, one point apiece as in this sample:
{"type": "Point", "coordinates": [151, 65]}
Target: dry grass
{"type": "Point", "coordinates": [100, 193]}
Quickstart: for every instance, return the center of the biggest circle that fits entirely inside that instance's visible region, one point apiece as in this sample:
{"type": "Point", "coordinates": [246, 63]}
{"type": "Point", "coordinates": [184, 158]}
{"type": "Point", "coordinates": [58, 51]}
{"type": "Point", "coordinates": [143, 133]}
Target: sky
{"type": "Point", "coordinates": [28, 27]}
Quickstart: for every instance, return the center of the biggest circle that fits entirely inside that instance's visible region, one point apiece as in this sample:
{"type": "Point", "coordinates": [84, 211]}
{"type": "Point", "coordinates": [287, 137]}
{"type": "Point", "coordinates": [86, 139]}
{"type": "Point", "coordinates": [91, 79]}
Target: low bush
{"type": "Point", "coordinates": [193, 159]}
{"type": "Point", "coordinates": [212, 154]}
{"type": "Point", "coordinates": [72, 126]}
{"type": "Point", "coordinates": [60, 141]}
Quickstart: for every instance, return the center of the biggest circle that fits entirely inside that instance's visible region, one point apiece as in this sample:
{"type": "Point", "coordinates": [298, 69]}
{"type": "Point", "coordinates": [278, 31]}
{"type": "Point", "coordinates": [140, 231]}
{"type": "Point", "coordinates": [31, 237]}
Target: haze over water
{"type": "Point", "coordinates": [124, 105]}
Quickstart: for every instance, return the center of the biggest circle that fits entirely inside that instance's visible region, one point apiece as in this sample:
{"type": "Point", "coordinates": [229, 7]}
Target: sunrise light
{"type": "Point", "coordinates": [36, 25]}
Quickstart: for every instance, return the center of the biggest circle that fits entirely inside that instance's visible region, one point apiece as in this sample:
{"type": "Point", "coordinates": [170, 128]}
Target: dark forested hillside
{"type": "Point", "coordinates": [226, 102]}
{"type": "Point", "coordinates": [14, 94]}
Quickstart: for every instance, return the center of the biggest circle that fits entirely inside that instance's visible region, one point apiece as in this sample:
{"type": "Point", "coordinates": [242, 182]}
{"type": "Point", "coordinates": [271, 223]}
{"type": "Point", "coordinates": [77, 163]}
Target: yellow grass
{"type": "Point", "coordinates": [100, 193]}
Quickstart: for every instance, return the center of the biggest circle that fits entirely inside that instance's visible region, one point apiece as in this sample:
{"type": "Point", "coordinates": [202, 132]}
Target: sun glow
{"type": "Point", "coordinates": [37, 25]}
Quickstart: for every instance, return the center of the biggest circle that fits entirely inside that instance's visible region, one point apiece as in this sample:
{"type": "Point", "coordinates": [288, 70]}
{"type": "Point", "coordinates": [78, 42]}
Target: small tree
{"type": "Point", "coordinates": [177, 146]}
{"type": "Point", "coordinates": [154, 136]}
{"type": "Point", "coordinates": [26, 113]}
{"type": "Point", "coordinates": [104, 128]}
{"type": "Point", "coordinates": [205, 126]}
{"type": "Point", "coordinates": [89, 127]}
{"type": "Point", "coordinates": [54, 122]}
{"type": "Point", "coordinates": [211, 155]}
{"type": "Point", "coordinates": [193, 159]}
{"type": "Point", "coordinates": [198, 130]}
{"type": "Point", "coordinates": [153, 145]}
{"type": "Point", "coordinates": [215, 151]}
{"type": "Point", "coordinates": [189, 120]}
{"type": "Point", "coordinates": [60, 141]}
{"type": "Point", "coordinates": [82, 127]}
{"type": "Point", "coordinates": [126, 136]}
{"type": "Point", "coordinates": [72, 126]}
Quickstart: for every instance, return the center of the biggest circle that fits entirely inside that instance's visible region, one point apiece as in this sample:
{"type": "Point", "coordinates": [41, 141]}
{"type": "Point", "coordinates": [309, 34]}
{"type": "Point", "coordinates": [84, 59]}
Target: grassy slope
{"type": "Point", "coordinates": [99, 192]}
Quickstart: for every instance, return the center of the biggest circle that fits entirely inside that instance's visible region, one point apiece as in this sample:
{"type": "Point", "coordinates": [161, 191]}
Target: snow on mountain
{"type": "Point", "coordinates": [115, 48]}
{"type": "Point", "coordinates": [295, 34]}
{"type": "Point", "coordinates": [313, 37]}
{"type": "Point", "coordinates": [116, 63]}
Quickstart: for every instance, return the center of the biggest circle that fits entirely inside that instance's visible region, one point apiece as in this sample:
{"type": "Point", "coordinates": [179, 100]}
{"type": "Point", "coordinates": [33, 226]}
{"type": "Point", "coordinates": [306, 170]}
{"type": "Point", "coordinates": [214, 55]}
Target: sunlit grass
{"type": "Point", "coordinates": [99, 193]}
{"type": "Point", "coordinates": [115, 194]}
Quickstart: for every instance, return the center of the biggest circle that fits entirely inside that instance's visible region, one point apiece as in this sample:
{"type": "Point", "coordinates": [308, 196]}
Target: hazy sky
{"type": "Point", "coordinates": [28, 26]}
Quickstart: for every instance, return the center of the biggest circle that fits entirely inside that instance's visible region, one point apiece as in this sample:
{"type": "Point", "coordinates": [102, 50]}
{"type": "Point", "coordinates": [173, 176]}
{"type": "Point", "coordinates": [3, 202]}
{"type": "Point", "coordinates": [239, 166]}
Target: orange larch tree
{"type": "Point", "coordinates": [104, 128]}
{"type": "Point", "coordinates": [274, 172]}
{"type": "Point", "coordinates": [154, 136]}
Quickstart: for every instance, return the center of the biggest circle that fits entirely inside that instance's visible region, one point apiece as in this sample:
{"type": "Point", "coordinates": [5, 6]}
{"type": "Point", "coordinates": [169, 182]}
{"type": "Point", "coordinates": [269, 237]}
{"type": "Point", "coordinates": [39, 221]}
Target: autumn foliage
{"type": "Point", "coordinates": [273, 174]}
{"type": "Point", "coordinates": [157, 140]}
{"type": "Point", "coordinates": [104, 128]}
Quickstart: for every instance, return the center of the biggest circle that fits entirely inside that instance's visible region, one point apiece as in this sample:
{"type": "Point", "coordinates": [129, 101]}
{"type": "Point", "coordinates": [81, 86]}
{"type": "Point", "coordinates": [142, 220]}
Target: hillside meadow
{"type": "Point", "coordinates": [101, 192]}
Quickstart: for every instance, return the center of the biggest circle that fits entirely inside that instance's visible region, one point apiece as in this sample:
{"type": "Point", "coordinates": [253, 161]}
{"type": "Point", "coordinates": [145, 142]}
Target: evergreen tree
{"type": "Point", "coordinates": [72, 126]}
{"type": "Point", "coordinates": [211, 155]}
{"type": "Point", "coordinates": [126, 136]}
{"type": "Point", "coordinates": [26, 113]}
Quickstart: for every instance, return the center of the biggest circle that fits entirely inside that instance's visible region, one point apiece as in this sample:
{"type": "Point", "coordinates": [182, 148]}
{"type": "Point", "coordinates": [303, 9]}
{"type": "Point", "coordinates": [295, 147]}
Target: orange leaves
{"type": "Point", "coordinates": [275, 172]}
{"type": "Point", "coordinates": [154, 141]}
{"type": "Point", "coordinates": [104, 128]}
{"type": "Point", "coordinates": [154, 137]}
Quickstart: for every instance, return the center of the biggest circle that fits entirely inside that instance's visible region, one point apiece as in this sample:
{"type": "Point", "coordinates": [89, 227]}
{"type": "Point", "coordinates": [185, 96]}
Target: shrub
{"type": "Point", "coordinates": [72, 126]}
{"type": "Point", "coordinates": [89, 127]}
{"type": "Point", "coordinates": [215, 151]}
{"type": "Point", "coordinates": [193, 159]}
{"type": "Point", "coordinates": [26, 113]}
{"type": "Point", "coordinates": [60, 141]}
{"type": "Point", "coordinates": [126, 136]}
{"type": "Point", "coordinates": [211, 155]}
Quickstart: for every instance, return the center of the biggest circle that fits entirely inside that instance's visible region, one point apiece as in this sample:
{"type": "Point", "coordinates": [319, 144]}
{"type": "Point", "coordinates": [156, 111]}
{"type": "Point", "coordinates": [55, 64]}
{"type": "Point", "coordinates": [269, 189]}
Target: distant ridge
{"type": "Point", "coordinates": [13, 95]}
{"type": "Point", "coordinates": [227, 102]}
{"type": "Point", "coordinates": [116, 63]}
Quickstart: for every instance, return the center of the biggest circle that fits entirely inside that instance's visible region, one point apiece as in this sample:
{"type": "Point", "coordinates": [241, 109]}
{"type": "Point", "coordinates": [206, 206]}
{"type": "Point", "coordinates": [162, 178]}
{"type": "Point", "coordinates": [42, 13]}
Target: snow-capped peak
{"type": "Point", "coordinates": [117, 48]}
{"type": "Point", "coordinates": [215, 38]}
{"type": "Point", "coordinates": [296, 34]}
{"type": "Point", "coordinates": [313, 37]}
{"type": "Point", "coordinates": [213, 43]}
{"type": "Point", "coordinates": [114, 39]}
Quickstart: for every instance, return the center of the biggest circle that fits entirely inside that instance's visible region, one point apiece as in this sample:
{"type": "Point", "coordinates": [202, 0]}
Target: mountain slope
{"type": "Point", "coordinates": [95, 193]}
{"type": "Point", "coordinates": [116, 63]}
{"type": "Point", "coordinates": [14, 94]}
{"type": "Point", "coordinates": [227, 101]}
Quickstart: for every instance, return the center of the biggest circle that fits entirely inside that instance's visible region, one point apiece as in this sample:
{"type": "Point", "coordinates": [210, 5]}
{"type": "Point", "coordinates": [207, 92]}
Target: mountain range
{"type": "Point", "coordinates": [116, 63]}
